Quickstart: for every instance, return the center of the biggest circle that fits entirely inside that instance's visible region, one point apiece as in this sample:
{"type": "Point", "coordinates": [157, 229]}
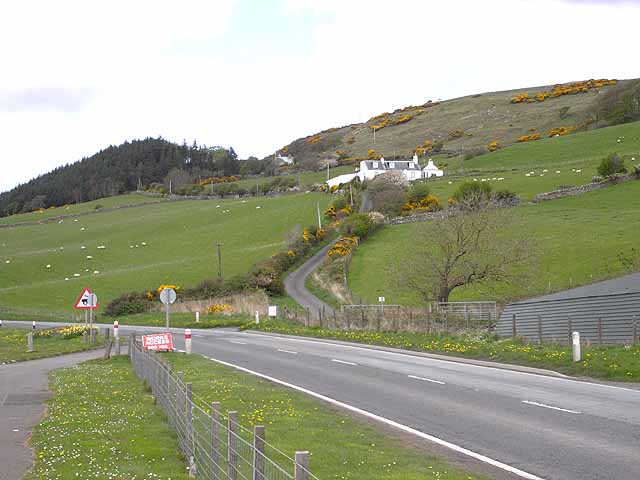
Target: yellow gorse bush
{"type": "Point", "coordinates": [493, 146]}
{"type": "Point", "coordinates": [220, 308]}
{"type": "Point", "coordinates": [560, 90]}
{"type": "Point", "coordinates": [343, 247]}
{"type": "Point", "coordinates": [529, 138]}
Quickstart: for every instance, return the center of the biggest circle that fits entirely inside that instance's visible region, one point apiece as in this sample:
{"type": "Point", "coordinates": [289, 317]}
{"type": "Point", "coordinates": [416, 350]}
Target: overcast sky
{"type": "Point", "coordinates": [79, 75]}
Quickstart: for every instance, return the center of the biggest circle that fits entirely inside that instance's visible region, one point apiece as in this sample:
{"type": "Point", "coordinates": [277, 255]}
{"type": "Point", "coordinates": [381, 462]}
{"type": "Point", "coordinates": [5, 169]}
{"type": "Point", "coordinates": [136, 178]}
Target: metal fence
{"type": "Point", "coordinates": [216, 446]}
{"type": "Point", "coordinates": [453, 317]}
{"type": "Point", "coordinates": [600, 319]}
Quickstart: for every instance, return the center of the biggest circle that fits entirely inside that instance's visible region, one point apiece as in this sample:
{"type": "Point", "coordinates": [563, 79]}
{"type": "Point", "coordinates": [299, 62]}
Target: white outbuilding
{"type": "Point", "coordinates": [431, 170]}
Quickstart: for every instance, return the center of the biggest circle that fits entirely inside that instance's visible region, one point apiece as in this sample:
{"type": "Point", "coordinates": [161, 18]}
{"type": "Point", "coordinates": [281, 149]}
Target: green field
{"type": "Point", "coordinates": [102, 423]}
{"type": "Point", "coordinates": [81, 208]}
{"type": "Point", "coordinates": [579, 239]}
{"type": "Point", "coordinates": [341, 446]}
{"type": "Point", "coordinates": [560, 157]}
{"type": "Point", "coordinates": [13, 345]}
{"type": "Point", "coordinates": [167, 243]}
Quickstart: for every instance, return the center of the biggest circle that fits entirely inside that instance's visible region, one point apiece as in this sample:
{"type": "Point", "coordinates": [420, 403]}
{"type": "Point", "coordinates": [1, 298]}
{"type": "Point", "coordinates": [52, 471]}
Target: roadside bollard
{"type": "Point", "coordinates": [257, 317]}
{"type": "Point", "coordinates": [118, 346]}
{"type": "Point", "coordinates": [197, 317]}
{"type": "Point", "coordinates": [187, 340]}
{"type": "Point", "coordinates": [115, 329]}
{"type": "Point", "coordinates": [575, 342]}
{"type": "Point", "coordinates": [33, 325]}
{"type": "Point", "coordinates": [30, 342]}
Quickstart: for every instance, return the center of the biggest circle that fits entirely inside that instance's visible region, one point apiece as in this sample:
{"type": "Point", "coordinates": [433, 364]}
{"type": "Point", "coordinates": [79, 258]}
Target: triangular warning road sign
{"type": "Point", "coordinates": [84, 300]}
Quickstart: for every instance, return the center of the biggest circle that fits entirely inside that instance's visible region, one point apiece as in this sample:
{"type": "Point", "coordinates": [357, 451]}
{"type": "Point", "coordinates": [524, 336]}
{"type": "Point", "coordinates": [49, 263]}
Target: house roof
{"type": "Point", "coordinates": [387, 165]}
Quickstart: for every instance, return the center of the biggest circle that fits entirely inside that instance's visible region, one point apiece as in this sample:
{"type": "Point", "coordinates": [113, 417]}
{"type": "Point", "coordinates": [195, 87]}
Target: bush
{"type": "Point", "coordinates": [127, 304]}
{"type": "Point", "coordinates": [505, 195]}
{"type": "Point", "coordinates": [473, 193]}
{"type": "Point", "coordinates": [611, 165]}
{"type": "Point", "coordinates": [359, 225]}
{"type": "Point", "coordinates": [417, 191]}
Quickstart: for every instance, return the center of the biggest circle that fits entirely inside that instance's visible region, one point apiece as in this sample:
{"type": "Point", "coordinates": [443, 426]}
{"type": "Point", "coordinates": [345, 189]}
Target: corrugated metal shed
{"type": "Point", "coordinates": [604, 311]}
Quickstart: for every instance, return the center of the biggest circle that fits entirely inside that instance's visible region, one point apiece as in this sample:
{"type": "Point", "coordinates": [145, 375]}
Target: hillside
{"type": "Point", "coordinates": [171, 242]}
{"type": "Point", "coordinates": [467, 125]}
{"type": "Point", "coordinates": [119, 169]}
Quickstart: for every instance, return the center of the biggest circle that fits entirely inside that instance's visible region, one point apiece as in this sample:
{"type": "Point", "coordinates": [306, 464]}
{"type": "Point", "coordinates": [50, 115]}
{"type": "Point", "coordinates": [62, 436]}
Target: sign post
{"type": "Point", "coordinates": [167, 297]}
{"type": "Point", "coordinates": [87, 301]}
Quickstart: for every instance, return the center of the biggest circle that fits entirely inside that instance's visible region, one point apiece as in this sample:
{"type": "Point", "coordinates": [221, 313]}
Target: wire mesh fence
{"type": "Point", "coordinates": [216, 446]}
{"type": "Point", "coordinates": [451, 317]}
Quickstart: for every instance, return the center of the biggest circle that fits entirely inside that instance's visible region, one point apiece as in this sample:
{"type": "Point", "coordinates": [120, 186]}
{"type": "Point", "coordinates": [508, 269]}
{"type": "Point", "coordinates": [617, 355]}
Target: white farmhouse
{"type": "Point", "coordinates": [369, 169]}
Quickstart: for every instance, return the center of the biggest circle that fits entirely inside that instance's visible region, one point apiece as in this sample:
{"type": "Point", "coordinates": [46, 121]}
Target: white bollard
{"type": "Point", "coordinates": [33, 325]}
{"type": "Point", "coordinates": [575, 342]}
{"type": "Point", "coordinates": [197, 317]}
{"type": "Point", "coordinates": [257, 317]}
{"type": "Point", "coordinates": [116, 326]}
{"type": "Point", "coordinates": [187, 340]}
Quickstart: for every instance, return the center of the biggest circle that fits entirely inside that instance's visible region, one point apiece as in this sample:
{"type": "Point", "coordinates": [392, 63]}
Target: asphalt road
{"type": "Point", "coordinates": [294, 284]}
{"type": "Point", "coordinates": [543, 426]}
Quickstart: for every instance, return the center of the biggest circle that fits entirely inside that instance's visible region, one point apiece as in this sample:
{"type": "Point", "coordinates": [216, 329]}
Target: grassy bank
{"type": "Point", "coordinates": [181, 320]}
{"type": "Point", "coordinates": [101, 423]}
{"type": "Point", "coordinates": [341, 446]}
{"type": "Point", "coordinates": [579, 239]}
{"type": "Point", "coordinates": [608, 363]}
{"type": "Point", "coordinates": [13, 345]}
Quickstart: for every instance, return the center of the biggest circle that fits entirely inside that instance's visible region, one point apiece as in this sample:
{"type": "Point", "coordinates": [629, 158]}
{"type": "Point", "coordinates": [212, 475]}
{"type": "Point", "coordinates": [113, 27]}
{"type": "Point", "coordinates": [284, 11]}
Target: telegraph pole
{"type": "Point", "coordinates": [219, 261]}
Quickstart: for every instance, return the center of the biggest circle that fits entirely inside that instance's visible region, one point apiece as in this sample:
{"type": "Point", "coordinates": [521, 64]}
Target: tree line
{"type": "Point", "coordinates": [125, 168]}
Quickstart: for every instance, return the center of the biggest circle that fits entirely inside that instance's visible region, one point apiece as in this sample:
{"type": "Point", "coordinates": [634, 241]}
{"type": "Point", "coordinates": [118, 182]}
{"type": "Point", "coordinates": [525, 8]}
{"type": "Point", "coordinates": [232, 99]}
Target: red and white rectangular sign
{"type": "Point", "coordinates": [158, 341]}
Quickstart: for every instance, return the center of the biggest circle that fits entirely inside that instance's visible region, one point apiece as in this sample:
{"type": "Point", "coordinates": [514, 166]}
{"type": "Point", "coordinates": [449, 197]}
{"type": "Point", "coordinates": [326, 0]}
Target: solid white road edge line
{"type": "Point", "coordinates": [426, 379]}
{"type": "Point", "coordinates": [416, 357]}
{"type": "Point", "coordinates": [287, 351]}
{"type": "Point", "coordinates": [373, 416]}
{"type": "Point", "coordinates": [342, 361]}
{"type": "Point", "coordinates": [551, 407]}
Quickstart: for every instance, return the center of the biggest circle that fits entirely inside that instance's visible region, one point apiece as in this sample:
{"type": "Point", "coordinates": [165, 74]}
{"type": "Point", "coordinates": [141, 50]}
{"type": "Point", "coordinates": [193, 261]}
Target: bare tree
{"type": "Point", "coordinates": [466, 246]}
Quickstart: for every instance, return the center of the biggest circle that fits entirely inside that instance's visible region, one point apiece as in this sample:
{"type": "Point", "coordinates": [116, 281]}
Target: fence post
{"type": "Point", "coordinates": [190, 437]}
{"type": "Point", "coordinates": [514, 332]}
{"type": "Point", "coordinates": [93, 335]}
{"type": "Point", "coordinates": [308, 317]}
{"type": "Point", "coordinates": [334, 320]}
{"type": "Point", "coordinates": [117, 341]}
{"type": "Point", "coordinates": [361, 315]}
{"type": "Point", "coordinates": [179, 407]}
{"type": "Point", "coordinates": [599, 331]}
{"type": "Point", "coordinates": [30, 342]}
{"type": "Point", "coordinates": [84, 336]}
{"type": "Point", "coordinates": [466, 316]}
{"type": "Point", "coordinates": [215, 440]}
{"type": "Point", "coordinates": [539, 330]}
{"type": "Point", "coordinates": [302, 466]}
{"type": "Point", "coordinates": [635, 329]}
{"type": "Point", "coordinates": [570, 325]}
{"type": "Point", "coordinates": [106, 333]}
{"type": "Point", "coordinates": [258, 452]}
{"type": "Point", "coordinates": [232, 445]}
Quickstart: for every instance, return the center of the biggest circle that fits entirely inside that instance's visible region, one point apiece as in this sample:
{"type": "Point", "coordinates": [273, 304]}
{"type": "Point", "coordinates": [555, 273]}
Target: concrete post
{"type": "Point", "coordinates": [258, 452]}
{"type": "Point", "coordinates": [257, 317]}
{"type": "Point", "coordinates": [575, 343]}
{"type": "Point", "coordinates": [232, 444]}
{"type": "Point", "coordinates": [187, 341]}
{"type": "Point", "coordinates": [215, 440]}
{"type": "Point", "coordinates": [197, 317]}
{"type": "Point", "coordinates": [30, 342]}
{"type": "Point", "coordinates": [302, 466]}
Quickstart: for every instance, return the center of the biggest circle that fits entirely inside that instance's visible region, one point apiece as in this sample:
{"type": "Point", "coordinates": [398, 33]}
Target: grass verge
{"type": "Point", "coordinates": [181, 320]}
{"type": "Point", "coordinates": [13, 345]}
{"type": "Point", "coordinates": [102, 423]}
{"type": "Point", "coordinates": [341, 446]}
{"type": "Point", "coordinates": [618, 363]}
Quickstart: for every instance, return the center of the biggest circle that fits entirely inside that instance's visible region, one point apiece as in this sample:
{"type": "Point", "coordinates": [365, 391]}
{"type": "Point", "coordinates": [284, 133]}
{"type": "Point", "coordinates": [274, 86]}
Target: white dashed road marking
{"type": "Point", "coordinates": [550, 407]}
{"type": "Point", "coordinates": [426, 379]}
{"type": "Point", "coordinates": [287, 351]}
{"type": "Point", "coordinates": [342, 361]}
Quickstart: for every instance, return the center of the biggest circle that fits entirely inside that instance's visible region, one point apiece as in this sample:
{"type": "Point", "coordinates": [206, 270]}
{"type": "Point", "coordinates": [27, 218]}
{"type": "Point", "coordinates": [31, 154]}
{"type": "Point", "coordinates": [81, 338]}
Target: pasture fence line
{"type": "Point", "coordinates": [436, 317]}
{"type": "Point", "coordinates": [215, 445]}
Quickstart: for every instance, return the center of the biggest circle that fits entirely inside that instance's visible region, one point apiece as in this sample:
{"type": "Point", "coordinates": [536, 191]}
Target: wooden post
{"type": "Point", "coordinates": [30, 342]}
{"type": "Point", "coordinates": [514, 332]}
{"type": "Point", "coordinates": [539, 330]}
{"type": "Point", "coordinates": [428, 313]}
{"type": "Point", "coordinates": [308, 318]}
{"type": "Point", "coordinates": [334, 320]}
{"type": "Point", "coordinates": [215, 440]}
{"type": "Point", "coordinates": [570, 327]}
{"type": "Point", "coordinates": [320, 317]}
{"type": "Point", "coordinates": [258, 452]}
{"type": "Point", "coordinates": [302, 466]}
{"type": "Point", "coordinates": [635, 329]}
{"type": "Point", "coordinates": [599, 331]}
{"type": "Point", "coordinates": [232, 444]}
{"type": "Point", "coordinates": [361, 315]}
{"type": "Point", "coordinates": [107, 350]}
